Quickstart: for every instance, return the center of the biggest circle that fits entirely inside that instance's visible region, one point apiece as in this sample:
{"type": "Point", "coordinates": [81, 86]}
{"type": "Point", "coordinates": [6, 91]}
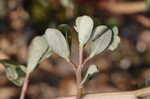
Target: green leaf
{"type": "Point", "coordinates": [15, 72]}
{"type": "Point", "coordinates": [116, 40]}
{"type": "Point", "coordinates": [57, 43]}
{"type": "Point", "coordinates": [92, 70]}
{"type": "Point", "coordinates": [98, 32]}
{"type": "Point", "coordinates": [67, 32]}
{"type": "Point", "coordinates": [38, 51]}
{"type": "Point", "coordinates": [11, 73]}
{"type": "Point", "coordinates": [100, 41]}
{"type": "Point", "coordinates": [46, 55]}
{"type": "Point", "coordinates": [84, 26]}
{"type": "Point", "coordinates": [14, 76]}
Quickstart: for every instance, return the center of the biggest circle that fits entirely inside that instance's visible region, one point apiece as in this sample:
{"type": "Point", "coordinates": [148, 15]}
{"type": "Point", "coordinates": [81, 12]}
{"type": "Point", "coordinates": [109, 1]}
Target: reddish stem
{"type": "Point", "coordinates": [74, 66]}
{"type": "Point", "coordinates": [79, 89]}
{"type": "Point", "coordinates": [25, 86]}
{"type": "Point", "coordinates": [78, 74]}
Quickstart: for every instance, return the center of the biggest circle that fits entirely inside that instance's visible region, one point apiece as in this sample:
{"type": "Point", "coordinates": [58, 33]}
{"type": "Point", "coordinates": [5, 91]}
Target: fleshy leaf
{"type": "Point", "coordinates": [92, 70]}
{"type": "Point", "coordinates": [57, 43]}
{"type": "Point", "coordinates": [67, 32]}
{"type": "Point", "coordinates": [46, 55]}
{"type": "Point", "coordinates": [14, 72]}
{"type": "Point", "coordinates": [99, 31]}
{"type": "Point", "coordinates": [38, 51]}
{"type": "Point", "coordinates": [102, 42]}
{"type": "Point", "coordinates": [11, 73]}
{"type": "Point", "coordinates": [84, 26]}
{"type": "Point", "coordinates": [116, 39]}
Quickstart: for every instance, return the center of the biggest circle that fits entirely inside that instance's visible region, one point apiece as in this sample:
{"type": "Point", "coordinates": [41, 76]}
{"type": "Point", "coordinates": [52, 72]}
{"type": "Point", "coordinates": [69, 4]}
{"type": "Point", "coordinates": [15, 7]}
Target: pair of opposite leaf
{"type": "Point", "coordinates": [53, 41]}
{"type": "Point", "coordinates": [44, 46]}
{"type": "Point", "coordinates": [40, 49]}
{"type": "Point", "coordinates": [97, 40]}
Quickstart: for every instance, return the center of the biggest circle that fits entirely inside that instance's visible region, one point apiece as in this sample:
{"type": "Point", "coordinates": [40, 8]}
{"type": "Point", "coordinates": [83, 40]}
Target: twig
{"type": "Point", "coordinates": [115, 95]}
{"type": "Point", "coordinates": [123, 7]}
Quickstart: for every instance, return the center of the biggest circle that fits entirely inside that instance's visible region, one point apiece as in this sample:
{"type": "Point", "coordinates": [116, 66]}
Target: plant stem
{"type": "Point", "coordinates": [85, 61]}
{"type": "Point", "coordinates": [73, 66]}
{"type": "Point", "coordinates": [78, 74]}
{"type": "Point", "coordinates": [79, 89]}
{"type": "Point", "coordinates": [25, 86]}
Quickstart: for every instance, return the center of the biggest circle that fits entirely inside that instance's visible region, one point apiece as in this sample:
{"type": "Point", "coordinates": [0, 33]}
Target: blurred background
{"type": "Point", "coordinates": [127, 68]}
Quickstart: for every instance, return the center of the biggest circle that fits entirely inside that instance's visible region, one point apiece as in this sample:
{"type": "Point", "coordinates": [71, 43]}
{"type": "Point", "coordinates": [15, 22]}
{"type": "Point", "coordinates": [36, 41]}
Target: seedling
{"type": "Point", "coordinates": [95, 41]}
